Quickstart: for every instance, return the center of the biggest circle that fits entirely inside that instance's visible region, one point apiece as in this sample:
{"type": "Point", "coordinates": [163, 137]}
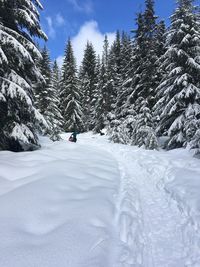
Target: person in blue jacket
{"type": "Point", "coordinates": [74, 136]}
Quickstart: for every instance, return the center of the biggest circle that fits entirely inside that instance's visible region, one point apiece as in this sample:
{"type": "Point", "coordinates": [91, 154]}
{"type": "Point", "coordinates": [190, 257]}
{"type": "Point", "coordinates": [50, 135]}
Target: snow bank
{"type": "Point", "coordinates": [98, 204]}
{"type": "Point", "coordinates": [184, 188]}
{"type": "Point", "coordinates": [57, 207]}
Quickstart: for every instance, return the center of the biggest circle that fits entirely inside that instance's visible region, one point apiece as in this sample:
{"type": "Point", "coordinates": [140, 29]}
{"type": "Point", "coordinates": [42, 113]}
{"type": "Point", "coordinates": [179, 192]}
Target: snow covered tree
{"type": "Point", "coordinates": [19, 22]}
{"type": "Point", "coordinates": [56, 78]}
{"type": "Point", "coordinates": [100, 113]}
{"type": "Point", "coordinates": [144, 76]}
{"type": "Point", "coordinates": [103, 105]}
{"type": "Point", "coordinates": [114, 79]}
{"type": "Point", "coordinates": [88, 79]}
{"type": "Point", "coordinates": [47, 96]}
{"type": "Point", "coordinates": [120, 130]}
{"type": "Point", "coordinates": [41, 91]}
{"type": "Point", "coordinates": [144, 133]}
{"type": "Point", "coordinates": [146, 73]}
{"type": "Point", "coordinates": [70, 93]}
{"type": "Point", "coordinates": [179, 91]}
{"type": "Point", "coordinates": [137, 94]}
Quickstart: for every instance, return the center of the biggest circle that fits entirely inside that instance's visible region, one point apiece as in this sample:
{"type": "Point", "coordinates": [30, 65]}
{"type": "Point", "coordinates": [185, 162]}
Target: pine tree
{"type": "Point", "coordinates": [144, 133]}
{"type": "Point", "coordinates": [114, 80]}
{"type": "Point", "coordinates": [103, 106]}
{"type": "Point", "coordinates": [88, 77]}
{"type": "Point", "coordinates": [179, 91]}
{"type": "Point", "coordinates": [41, 91]}
{"type": "Point", "coordinates": [145, 79]}
{"type": "Point", "coordinates": [100, 112]}
{"type": "Point", "coordinates": [160, 48]}
{"type": "Point", "coordinates": [47, 96]}
{"type": "Point", "coordinates": [121, 120]}
{"type": "Point", "coordinates": [145, 86]}
{"type": "Point", "coordinates": [19, 22]}
{"type": "Point", "coordinates": [70, 94]}
{"type": "Point", "coordinates": [53, 112]}
{"type": "Point", "coordinates": [138, 89]}
{"type": "Point", "coordinates": [56, 78]}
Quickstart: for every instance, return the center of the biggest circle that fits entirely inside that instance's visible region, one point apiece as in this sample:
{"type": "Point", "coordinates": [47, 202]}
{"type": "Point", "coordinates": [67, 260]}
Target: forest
{"type": "Point", "coordinates": [144, 89]}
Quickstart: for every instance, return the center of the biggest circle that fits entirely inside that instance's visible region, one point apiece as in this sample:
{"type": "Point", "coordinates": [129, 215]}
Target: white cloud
{"type": "Point", "coordinates": [51, 30]}
{"type": "Point", "coordinates": [53, 23]}
{"type": "Point", "coordinates": [89, 31]}
{"type": "Point", "coordinates": [60, 21]}
{"type": "Point", "coordinates": [60, 61]}
{"type": "Point", "coordinates": [86, 6]}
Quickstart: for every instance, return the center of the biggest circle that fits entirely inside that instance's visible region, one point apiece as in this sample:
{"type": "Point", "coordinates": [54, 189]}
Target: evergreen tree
{"type": "Point", "coordinates": [121, 120]}
{"type": "Point", "coordinates": [100, 112]}
{"type": "Point", "coordinates": [19, 22]}
{"type": "Point", "coordinates": [137, 94]}
{"type": "Point", "coordinates": [114, 70]}
{"type": "Point", "coordinates": [88, 85]}
{"type": "Point", "coordinates": [70, 94]}
{"type": "Point", "coordinates": [41, 91]}
{"type": "Point", "coordinates": [103, 106]}
{"type": "Point", "coordinates": [47, 96]}
{"type": "Point", "coordinates": [145, 85]}
{"type": "Point", "coordinates": [53, 112]}
{"type": "Point", "coordinates": [145, 79]}
{"type": "Point", "coordinates": [179, 91]}
{"type": "Point", "coordinates": [114, 80]}
{"type": "Point", "coordinates": [144, 133]}
{"type": "Point", "coordinates": [160, 71]}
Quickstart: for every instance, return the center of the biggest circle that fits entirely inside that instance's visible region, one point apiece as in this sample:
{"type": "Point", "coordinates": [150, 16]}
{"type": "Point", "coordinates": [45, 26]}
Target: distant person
{"type": "Point", "coordinates": [73, 137]}
{"type": "Point", "coordinates": [102, 133]}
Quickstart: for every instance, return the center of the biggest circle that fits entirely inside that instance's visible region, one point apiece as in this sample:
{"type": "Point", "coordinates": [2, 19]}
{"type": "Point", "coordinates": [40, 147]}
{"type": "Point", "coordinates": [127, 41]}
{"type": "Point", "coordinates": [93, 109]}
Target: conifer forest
{"type": "Point", "coordinates": [145, 87]}
{"type": "Point", "coordinates": [100, 145]}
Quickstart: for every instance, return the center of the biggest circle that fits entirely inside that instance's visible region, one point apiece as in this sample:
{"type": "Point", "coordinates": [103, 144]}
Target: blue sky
{"type": "Point", "coordinates": [91, 19]}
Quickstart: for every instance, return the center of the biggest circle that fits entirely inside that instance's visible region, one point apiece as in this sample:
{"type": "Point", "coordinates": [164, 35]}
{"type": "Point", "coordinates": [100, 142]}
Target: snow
{"type": "Point", "coordinates": [99, 204]}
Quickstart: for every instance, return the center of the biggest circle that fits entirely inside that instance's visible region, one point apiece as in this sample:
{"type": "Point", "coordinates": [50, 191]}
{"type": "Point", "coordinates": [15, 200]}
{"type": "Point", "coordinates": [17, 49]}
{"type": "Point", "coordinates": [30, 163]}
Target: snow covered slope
{"type": "Point", "coordinates": [98, 204]}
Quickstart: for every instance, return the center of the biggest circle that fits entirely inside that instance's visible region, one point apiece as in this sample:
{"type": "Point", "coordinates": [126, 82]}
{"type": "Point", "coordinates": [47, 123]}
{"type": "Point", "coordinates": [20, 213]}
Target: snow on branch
{"type": "Point", "coordinates": [8, 40]}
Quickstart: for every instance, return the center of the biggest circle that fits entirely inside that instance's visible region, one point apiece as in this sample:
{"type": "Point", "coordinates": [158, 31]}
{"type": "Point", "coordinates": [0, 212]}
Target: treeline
{"type": "Point", "coordinates": [146, 85]}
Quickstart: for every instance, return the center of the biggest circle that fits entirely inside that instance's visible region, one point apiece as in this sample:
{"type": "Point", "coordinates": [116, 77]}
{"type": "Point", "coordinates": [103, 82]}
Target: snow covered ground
{"type": "Point", "coordinates": [97, 204]}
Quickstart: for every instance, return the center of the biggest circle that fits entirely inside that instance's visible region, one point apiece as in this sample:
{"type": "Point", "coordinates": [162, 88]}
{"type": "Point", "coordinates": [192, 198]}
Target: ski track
{"type": "Point", "coordinates": [153, 230]}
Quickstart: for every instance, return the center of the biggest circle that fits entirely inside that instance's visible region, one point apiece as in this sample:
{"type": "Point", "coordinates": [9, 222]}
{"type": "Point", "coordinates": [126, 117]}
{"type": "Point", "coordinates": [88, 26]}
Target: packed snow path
{"type": "Point", "coordinates": [92, 204]}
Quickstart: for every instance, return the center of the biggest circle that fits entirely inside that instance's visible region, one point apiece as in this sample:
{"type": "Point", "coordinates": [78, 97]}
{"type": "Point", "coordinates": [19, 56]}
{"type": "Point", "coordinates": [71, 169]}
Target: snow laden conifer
{"type": "Point", "coordinates": [121, 124]}
{"type": "Point", "coordinates": [138, 88]}
{"type": "Point", "coordinates": [179, 91]}
{"type": "Point", "coordinates": [70, 93]}
{"type": "Point", "coordinates": [103, 104]}
{"type": "Point", "coordinates": [19, 22]}
{"type": "Point", "coordinates": [47, 96]}
{"type": "Point", "coordinates": [88, 85]}
{"type": "Point", "coordinates": [114, 79]}
{"type": "Point", "coordinates": [41, 91]}
{"type": "Point", "coordinates": [145, 79]}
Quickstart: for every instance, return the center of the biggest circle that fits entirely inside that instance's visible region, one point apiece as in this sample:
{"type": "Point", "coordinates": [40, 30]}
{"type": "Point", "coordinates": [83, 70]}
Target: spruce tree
{"type": "Point", "coordinates": [103, 106]}
{"type": "Point", "coordinates": [19, 22]}
{"type": "Point", "coordinates": [47, 96]}
{"type": "Point", "coordinates": [145, 80]}
{"type": "Point", "coordinates": [88, 79]}
{"type": "Point", "coordinates": [121, 120]}
{"type": "Point", "coordinates": [70, 93]}
{"type": "Point", "coordinates": [179, 91]}
{"type": "Point", "coordinates": [41, 91]}
{"type": "Point", "coordinates": [114, 79]}
{"type": "Point", "coordinates": [137, 94]}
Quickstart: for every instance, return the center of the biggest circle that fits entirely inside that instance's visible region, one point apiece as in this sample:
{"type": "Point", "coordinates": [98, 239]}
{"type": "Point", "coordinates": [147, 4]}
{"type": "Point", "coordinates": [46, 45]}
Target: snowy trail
{"type": "Point", "coordinates": [93, 204]}
{"type": "Point", "coordinates": [151, 226]}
